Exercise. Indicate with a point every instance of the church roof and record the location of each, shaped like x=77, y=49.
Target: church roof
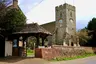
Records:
x=49, y=26
x=33, y=28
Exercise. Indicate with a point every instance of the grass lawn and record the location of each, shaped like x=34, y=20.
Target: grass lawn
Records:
x=30, y=52
x=71, y=58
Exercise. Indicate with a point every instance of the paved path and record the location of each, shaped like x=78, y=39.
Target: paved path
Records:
x=22, y=61
x=88, y=60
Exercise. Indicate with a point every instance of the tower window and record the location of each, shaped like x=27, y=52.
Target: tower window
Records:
x=60, y=15
x=60, y=21
x=71, y=20
x=67, y=29
x=71, y=14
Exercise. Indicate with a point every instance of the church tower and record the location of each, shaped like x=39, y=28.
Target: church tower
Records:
x=65, y=24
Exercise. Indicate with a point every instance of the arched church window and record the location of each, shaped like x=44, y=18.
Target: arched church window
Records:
x=72, y=28
x=70, y=14
x=67, y=29
x=60, y=22
x=71, y=20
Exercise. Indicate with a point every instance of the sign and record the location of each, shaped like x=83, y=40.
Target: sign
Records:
x=20, y=44
x=15, y=43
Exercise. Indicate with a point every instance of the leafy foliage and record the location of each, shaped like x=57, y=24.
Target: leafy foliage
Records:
x=87, y=36
x=92, y=31
x=31, y=42
x=2, y=11
x=92, y=25
x=92, y=28
x=83, y=36
x=13, y=21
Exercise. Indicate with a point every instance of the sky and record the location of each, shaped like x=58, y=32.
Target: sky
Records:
x=43, y=11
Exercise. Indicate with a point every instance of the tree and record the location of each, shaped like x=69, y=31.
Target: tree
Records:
x=13, y=21
x=92, y=31
x=92, y=25
x=2, y=6
x=83, y=37
x=2, y=11
x=92, y=28
x=30, y=42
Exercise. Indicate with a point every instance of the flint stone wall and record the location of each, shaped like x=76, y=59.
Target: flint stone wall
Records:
x=61, y=51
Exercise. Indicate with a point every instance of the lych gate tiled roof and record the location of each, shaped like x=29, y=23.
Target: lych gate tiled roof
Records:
x=33, y=28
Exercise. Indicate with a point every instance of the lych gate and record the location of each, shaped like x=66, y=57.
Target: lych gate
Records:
x=19, y=38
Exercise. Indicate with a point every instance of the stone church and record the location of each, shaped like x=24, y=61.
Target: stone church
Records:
x=63, y=29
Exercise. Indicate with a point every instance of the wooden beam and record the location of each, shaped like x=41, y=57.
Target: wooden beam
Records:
x=43, y=41
x=37, y=43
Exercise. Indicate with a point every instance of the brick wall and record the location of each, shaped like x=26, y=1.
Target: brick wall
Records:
x=60, y=51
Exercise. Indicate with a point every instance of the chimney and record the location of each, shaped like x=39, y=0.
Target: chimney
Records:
x=15, y=3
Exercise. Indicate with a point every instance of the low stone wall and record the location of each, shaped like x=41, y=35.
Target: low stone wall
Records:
x=61, y=51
